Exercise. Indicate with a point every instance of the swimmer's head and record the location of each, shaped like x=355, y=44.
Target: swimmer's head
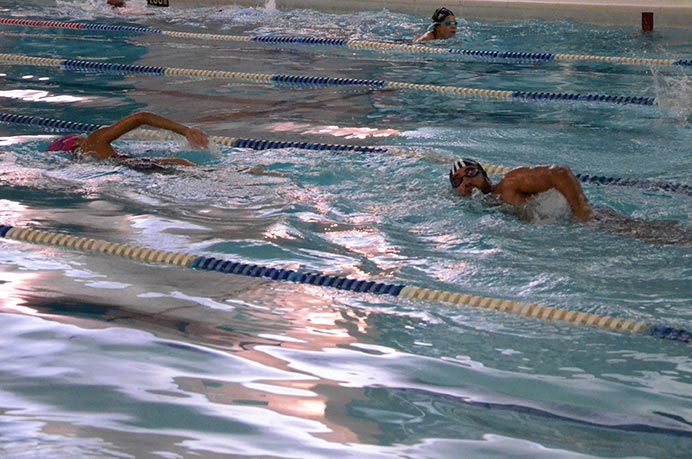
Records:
x=441, y=13
x=67, y=143
x=467, y=174
x=444, y=23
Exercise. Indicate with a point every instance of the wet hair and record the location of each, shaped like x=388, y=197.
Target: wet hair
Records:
x=465, y=162
x=440, y=14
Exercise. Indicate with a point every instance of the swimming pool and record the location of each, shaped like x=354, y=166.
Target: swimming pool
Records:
x=106, y=357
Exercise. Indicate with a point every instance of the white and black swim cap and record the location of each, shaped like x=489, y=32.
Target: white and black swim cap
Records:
x=465, y=162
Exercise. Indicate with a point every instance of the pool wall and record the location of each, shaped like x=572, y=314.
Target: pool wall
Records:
x=667, y=13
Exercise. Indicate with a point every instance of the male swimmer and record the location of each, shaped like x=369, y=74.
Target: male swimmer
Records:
x=523, y=185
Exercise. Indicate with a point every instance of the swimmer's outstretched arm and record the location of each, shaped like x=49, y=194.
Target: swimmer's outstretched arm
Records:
x=523, y=183
x=107, y=134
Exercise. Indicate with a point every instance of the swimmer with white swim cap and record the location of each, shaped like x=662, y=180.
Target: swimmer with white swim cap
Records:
x=521, y=185
x=524, y=185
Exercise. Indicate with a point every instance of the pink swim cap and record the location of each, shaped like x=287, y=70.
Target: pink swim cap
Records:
x=67, y=143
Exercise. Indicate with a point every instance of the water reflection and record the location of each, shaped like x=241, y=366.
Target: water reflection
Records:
x=34, y=95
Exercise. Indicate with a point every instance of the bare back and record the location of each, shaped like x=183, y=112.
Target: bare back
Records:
x=522, y=184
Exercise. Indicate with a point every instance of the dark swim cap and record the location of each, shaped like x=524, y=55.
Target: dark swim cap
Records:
x=441, y=13
x=465, y=162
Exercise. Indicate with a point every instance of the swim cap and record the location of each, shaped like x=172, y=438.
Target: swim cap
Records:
x=465, y=162
x=66, y=143
x=441, y=13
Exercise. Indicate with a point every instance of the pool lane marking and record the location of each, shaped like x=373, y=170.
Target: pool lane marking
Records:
x=311, y=80
x=259, y=144
x=356, y=44
x=234, y=142
x=192, y=261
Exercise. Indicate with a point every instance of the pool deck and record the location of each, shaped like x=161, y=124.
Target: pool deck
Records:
x=667, y=13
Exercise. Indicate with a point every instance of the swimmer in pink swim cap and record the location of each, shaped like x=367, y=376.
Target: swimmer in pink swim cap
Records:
x=97, y=145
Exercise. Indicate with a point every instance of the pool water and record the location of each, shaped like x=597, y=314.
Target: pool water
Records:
x=104, y=357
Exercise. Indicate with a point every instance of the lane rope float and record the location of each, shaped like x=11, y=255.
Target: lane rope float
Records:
x=197, y=262
x=357, y=44
x=234, y=142
x=319, y=81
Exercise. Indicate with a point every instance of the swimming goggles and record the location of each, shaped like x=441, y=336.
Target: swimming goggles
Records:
x=471, y=172
x=449, y=23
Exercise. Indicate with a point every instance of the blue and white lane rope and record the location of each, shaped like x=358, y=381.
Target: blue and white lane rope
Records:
x=311, y=80
x=355, y=44
x=260, y=144
x=203, y=263
x=234, y=142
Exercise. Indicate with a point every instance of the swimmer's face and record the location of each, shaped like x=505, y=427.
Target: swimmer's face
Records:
x=447, y=28
x=466, y=179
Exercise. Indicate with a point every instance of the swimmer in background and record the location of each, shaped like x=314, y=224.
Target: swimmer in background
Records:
x=521, y=186
x=97, y=145
x=444, y=26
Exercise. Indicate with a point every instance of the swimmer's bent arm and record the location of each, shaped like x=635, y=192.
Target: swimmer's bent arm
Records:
x=523, y=183
x=107, y=134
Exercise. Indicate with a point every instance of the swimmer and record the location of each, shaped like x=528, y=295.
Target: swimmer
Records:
x=523, y=185
x=97, y=145
x=444, y=26
x=116, y=3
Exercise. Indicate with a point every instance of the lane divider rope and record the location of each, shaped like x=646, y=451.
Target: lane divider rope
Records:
x=355, y=44
x=233, y=142
x=192, y=261
x=310, y=80
x=259, y=144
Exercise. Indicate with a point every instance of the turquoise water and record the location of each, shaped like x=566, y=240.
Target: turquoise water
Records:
x=109, y=358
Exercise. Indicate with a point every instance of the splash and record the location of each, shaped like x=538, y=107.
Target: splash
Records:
x=674, y=95
x=270, y=6
x=547, y=206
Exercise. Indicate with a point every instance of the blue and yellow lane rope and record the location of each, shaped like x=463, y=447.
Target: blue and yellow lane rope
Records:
x=197, y=262
x=262, y=144
x=313, y=80
x=355, y=44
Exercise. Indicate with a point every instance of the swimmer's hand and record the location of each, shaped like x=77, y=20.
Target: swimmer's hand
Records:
x=261, y=170
x=583, y=213
x=197, y=138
